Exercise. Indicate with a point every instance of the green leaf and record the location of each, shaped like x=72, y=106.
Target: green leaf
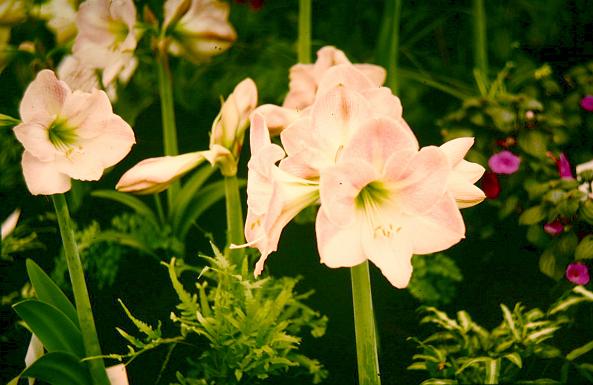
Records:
x=47, y=291
x=438, y=381
x=584, y=249
x=55, y=330
x=532, y=215
x=515, y=358
x=59, y=368
x=142, y=326
x=576, y=353
x=124, y=239
x=8, y=121
x=131, y=201
x=508, y=317
x=472, y=362
x=188, y=192
x=205, y=198
x=533, y=143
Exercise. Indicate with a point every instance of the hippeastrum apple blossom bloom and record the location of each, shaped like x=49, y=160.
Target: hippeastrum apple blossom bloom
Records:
x=106, y=37
x=504, y=162
x=305, y=84
x=154, y=175
x=228, y=129
x=274, y=196
x=346, y=99
x=464, y=174
x=198, y=29
x=68, y=135
x=61, y=18
x=384, y=201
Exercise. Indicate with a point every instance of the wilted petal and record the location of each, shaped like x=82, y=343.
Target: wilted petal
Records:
x=154, y=175
x=43, y=177
x=303, y=87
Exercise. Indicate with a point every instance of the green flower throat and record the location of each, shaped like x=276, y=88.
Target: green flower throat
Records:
x=60, y=135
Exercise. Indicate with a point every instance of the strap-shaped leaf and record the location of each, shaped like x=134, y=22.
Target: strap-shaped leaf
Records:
x=188, y=192
x=131, y=201
x=59, y=368
x=201, y=202
x=55, y=330
x=47, y=291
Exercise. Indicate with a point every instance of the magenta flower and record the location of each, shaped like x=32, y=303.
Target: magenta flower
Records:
x=577, y=273
x=504, y=162
x=564, y=167
x=587, y=103
x=554, y=228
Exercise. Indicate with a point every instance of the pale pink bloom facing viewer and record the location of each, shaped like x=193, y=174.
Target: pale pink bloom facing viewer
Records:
x=68, y=135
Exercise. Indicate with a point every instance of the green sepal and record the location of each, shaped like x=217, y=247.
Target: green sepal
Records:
x=47, y=291
x=55, y=330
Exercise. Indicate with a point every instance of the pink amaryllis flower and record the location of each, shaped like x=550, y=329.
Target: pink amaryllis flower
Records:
x=504, y=162
x=154, y=175
x=305, y=80
x=68, y=135
x=274, y=196
x=198, y=29
x=384, y=201
x=106, y=37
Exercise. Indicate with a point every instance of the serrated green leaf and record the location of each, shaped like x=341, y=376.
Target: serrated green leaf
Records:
x=59, y=368
x=131, y=201
x=576, y=353
x=142, y=326
x=47, y=291
x=55, y=330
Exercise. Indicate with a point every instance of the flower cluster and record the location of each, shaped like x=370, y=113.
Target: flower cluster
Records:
x=348, y=148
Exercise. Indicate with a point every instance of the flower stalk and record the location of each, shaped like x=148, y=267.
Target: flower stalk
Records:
x=480, y=44
x=388, y=46
x=234, y=219
x=168, y=116
x=81, y=296
x=364, y=326
x=304, y=42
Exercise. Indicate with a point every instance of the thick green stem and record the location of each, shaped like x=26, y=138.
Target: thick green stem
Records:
x=480, y=44
x=81, y=295
x=304, y=44
x=168, y=117
x=364, y=326
x=392, y=78
x=234, y=219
